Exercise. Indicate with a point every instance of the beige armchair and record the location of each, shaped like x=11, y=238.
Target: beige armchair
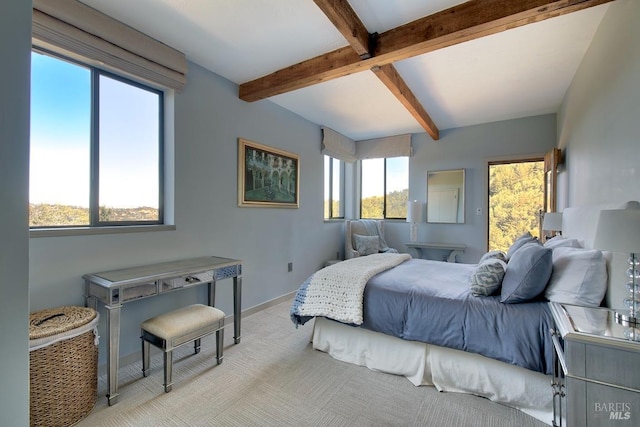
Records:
x=359, y=238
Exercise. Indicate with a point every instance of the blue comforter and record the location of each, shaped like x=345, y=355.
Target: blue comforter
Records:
x=429, y=301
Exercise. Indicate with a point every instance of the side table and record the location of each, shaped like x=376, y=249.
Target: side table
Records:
x=596, y=369
x=452, y=249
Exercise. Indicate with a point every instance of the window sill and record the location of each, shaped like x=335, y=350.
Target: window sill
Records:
x=88, y=231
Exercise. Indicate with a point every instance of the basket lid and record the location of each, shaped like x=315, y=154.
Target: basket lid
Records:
x=53, y=321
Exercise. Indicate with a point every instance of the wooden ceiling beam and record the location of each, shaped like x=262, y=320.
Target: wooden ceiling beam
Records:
x=465, y=22
x=389, y=76
x=346, y=20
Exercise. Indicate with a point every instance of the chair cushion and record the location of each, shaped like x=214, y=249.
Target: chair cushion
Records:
x=366, y=245
x=182, y=321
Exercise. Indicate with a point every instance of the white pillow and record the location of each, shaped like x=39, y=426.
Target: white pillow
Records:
x=579, y=276
x=560, y=241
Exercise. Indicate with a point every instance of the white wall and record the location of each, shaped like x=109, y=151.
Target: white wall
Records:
x=470, y=148
x=599, y=121
x=209, y=119
x=599, y=125
x=15, y=45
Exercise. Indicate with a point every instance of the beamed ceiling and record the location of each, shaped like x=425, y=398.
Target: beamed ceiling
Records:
x=372, y=68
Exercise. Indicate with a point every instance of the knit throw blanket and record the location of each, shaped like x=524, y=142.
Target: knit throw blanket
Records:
x=337, y=291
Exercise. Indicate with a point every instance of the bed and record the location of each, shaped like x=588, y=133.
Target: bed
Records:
x=420, y=318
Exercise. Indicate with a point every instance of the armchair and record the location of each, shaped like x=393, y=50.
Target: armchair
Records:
x=359, y=238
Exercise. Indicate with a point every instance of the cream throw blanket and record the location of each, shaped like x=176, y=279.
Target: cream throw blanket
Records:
x=337, y=291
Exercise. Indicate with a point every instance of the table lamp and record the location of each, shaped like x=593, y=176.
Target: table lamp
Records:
x=414, y=216
x=619, y=231
x=552, y=222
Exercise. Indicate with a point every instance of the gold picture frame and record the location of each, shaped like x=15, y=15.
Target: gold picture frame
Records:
x=267, y=177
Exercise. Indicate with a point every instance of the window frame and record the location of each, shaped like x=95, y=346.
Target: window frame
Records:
x=342, y=166
x=384, y=201
x=94, y=160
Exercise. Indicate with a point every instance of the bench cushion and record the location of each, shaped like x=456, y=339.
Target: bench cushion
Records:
x=183, y=321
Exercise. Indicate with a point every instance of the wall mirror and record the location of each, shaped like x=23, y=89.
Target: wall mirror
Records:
x=445, y=196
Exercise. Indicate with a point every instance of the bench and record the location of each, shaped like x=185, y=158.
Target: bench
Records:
x=171, y=330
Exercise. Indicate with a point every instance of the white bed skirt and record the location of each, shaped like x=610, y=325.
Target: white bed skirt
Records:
x=446, y=369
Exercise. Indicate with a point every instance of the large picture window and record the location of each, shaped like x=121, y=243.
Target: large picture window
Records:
x=96, y=147
x=384, y=188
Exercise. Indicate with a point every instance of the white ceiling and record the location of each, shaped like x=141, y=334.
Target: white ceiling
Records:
x=517, y=73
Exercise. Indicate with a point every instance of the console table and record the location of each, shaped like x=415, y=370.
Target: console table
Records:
x=452, y=248
x=117, y=287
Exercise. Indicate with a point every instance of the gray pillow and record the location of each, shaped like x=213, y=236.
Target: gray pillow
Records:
x=527, y=274
x=520, y=242
x=487, y=277
x=366, y=245
x=493, y=255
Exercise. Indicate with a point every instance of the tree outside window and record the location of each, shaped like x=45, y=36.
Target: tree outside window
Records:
x=384, y=188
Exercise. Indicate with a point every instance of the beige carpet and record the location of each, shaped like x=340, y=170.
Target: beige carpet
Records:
x=274, y=378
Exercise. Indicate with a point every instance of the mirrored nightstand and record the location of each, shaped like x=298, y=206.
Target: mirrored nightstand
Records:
x=596, y=369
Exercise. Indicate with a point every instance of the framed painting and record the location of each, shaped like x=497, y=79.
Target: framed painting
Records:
x=267, y=177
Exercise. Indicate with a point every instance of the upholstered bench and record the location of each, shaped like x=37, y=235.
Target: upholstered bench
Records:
x=171, y=330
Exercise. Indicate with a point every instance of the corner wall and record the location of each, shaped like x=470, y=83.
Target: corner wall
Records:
x=15, y=45
x=471, y=148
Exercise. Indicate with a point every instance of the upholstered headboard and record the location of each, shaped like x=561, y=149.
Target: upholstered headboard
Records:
x=580, y=222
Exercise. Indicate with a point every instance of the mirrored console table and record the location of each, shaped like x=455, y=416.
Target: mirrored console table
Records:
x=117, y=287
x=420, y=249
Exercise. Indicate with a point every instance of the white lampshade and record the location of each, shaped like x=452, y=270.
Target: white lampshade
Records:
x=619, y=231
x=552, y=221
x=414, y=211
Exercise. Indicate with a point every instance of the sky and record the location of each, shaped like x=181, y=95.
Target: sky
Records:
x=373, y=176
x=61, y=130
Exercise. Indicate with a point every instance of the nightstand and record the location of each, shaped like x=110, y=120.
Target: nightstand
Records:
x=596, y=369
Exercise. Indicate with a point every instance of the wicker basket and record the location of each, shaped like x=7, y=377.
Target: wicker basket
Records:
x=63, y=356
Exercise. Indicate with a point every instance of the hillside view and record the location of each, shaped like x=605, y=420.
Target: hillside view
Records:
x=515, y=196
x=49, y=215
x=372, y=207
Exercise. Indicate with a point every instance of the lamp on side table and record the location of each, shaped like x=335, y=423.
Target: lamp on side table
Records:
x=619, y=231
x=414, y=216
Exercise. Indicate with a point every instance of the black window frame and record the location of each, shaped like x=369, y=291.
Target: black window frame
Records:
x=94, y=161
x=384, y=199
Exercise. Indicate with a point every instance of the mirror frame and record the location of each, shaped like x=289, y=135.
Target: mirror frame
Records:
x=461, y=196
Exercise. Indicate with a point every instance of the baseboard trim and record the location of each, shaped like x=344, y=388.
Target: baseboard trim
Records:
x=137, y=356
